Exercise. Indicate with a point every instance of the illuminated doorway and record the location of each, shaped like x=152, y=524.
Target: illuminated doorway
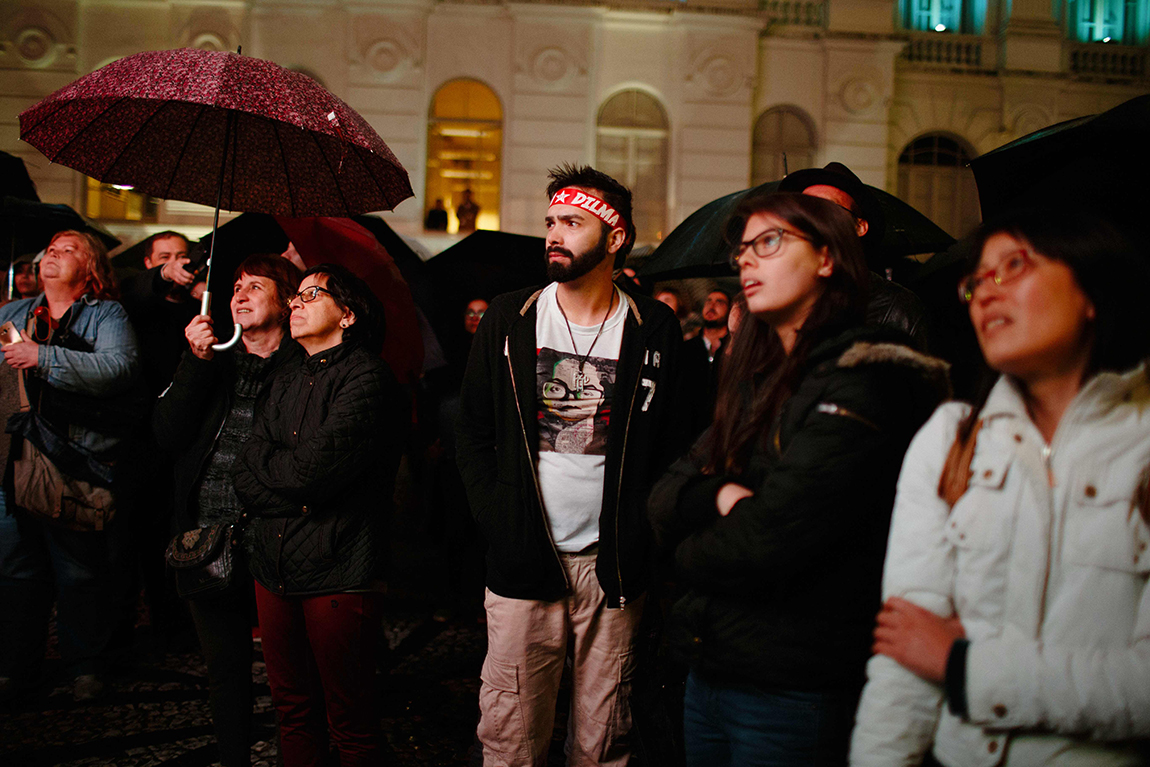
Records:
x=464, y=148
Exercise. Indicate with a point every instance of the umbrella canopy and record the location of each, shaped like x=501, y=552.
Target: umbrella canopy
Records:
x=27, y=226
x=698, y=247
x=14, y=179
x=236, y=239
x=343, y=241
x=409, y=263
x=207, y=126
x=482, y=265
x=217, y=127
x=1100, y=161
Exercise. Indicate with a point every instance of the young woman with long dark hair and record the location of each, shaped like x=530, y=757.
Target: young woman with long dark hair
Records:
x=778, y=517
x=1017, y=623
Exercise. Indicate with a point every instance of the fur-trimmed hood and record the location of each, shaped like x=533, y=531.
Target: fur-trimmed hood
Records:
x=887, y=353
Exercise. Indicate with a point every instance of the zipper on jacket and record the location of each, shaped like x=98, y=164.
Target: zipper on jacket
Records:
x=531, y=461
x=1046, y=451
x=831, y=408
x=619, y=491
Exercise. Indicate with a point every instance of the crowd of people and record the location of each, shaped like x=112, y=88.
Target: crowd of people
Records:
x=772, y=530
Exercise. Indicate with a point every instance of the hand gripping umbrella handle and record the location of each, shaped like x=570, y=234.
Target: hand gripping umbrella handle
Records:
x=205, y=304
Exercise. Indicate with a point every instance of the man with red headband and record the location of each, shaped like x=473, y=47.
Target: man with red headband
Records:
x=568, y=415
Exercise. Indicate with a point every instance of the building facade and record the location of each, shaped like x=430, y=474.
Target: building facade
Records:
x=684, y=100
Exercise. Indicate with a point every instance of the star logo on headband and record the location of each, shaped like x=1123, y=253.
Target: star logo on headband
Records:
x=560, y=199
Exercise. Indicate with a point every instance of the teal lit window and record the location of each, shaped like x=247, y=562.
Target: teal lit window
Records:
x=1109, y=21
x=965, y=16
x=934, y=15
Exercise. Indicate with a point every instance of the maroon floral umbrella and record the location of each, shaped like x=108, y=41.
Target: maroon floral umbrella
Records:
x=219, y=129
x=203, y=126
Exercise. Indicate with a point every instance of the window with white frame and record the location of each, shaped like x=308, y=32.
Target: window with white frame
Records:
x=631, y=147
x=934, y=177
x=784, y=142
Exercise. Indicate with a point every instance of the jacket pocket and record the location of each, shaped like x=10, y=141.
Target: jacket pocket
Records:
x=1103, y=526
x=979, y=532
x=982, y=518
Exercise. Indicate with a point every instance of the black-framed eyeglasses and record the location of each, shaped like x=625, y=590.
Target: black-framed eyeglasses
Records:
x=1011, y=268
x=309, y=294
x=556, y=389
x=764, y=245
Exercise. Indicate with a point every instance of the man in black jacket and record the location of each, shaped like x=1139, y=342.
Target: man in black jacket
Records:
x=568, y=415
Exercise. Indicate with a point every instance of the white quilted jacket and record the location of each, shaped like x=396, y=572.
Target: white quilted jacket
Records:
x=1045, y=560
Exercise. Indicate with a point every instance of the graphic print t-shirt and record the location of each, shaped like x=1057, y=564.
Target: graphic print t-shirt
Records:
x=575, y=403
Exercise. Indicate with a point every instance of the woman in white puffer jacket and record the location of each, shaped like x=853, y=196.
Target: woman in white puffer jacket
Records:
x=1016, y=627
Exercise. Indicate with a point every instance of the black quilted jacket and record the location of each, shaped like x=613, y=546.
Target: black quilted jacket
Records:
x=317, y=475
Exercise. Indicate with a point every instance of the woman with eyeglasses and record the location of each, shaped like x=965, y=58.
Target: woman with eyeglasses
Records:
x=778, y=517
x=1016, y=627
x=316, y=478
x=203, y=419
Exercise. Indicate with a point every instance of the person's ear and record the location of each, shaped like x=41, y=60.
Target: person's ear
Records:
x=615, y=240
x=861, y=226
x=348, y=319
x=826, y=264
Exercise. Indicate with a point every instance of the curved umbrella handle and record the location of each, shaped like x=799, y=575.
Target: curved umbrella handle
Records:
x=205, y=306
x=229, y=344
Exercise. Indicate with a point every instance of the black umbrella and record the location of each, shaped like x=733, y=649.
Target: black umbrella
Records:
x=1100, y=161
x=482, y=265
x=14, y=179
x=698, y=248
x=27, y=226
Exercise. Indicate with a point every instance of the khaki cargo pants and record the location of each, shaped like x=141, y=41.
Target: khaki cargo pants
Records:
x=527, y=645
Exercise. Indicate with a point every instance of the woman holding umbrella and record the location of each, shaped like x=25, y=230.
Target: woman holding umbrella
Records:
x=316, y=478
x=203, y=419
x=1017, y=623
x=778, y=516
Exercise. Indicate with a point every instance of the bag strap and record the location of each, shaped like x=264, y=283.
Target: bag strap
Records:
x=956, y=472
x=25, y=405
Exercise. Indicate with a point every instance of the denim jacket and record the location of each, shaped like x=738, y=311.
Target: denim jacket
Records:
x=109, y=369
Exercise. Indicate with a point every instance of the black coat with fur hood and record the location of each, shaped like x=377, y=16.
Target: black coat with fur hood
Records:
x=783, y=591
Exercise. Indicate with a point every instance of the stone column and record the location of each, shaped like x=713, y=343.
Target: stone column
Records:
x=1032, y=39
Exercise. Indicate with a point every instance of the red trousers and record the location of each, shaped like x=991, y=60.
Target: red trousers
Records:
x=320, y=656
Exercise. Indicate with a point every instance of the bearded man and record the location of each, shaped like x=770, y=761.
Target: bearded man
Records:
x=568, y=415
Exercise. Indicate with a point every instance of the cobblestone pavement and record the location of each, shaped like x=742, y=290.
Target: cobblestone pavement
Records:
x=156, y=711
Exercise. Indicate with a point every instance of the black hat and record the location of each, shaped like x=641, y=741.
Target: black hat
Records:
x=840, y=177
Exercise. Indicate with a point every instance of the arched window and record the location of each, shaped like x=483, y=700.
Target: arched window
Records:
x=779, y=131
x=934, y=177
x=464, y=149
x=632, y=148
